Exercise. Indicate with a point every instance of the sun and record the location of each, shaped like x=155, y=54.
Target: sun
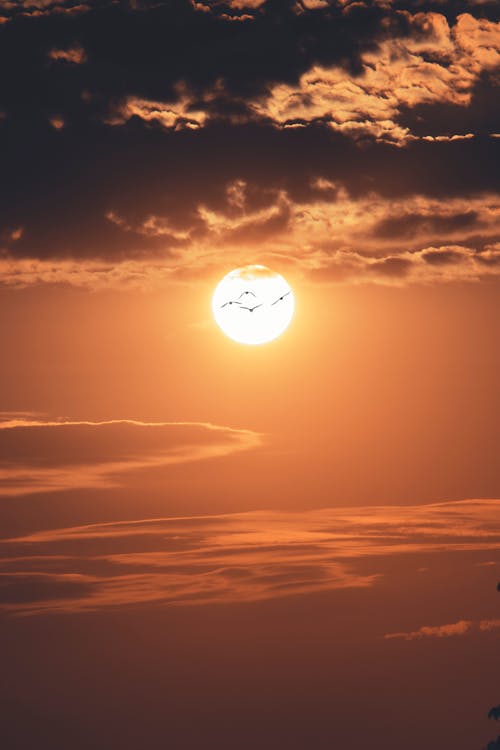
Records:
x=253, y=305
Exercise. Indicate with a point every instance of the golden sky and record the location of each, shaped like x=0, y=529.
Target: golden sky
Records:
x=288, y=546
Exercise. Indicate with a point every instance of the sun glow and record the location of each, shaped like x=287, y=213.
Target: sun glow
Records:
x=253, y=305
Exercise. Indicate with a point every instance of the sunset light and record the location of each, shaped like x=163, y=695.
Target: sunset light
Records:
x=253, y=305
x=249, y=374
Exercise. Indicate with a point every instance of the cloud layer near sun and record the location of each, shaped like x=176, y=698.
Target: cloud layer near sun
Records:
x=43, y=456
x=350, y=141
x=328, y=237
x=236, y=557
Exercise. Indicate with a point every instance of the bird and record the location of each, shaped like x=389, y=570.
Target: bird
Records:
x=247, y=292
x=279, y=299
x=231, y=302
x=250, y=309
x=494, y=713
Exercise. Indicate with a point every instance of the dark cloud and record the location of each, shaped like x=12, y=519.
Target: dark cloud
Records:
x=61, y=187
x=145, y=50
x=123, y=119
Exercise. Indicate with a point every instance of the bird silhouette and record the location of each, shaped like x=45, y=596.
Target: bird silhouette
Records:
x=280, y=298
x=231, y=302
x=251, y=309
x=247, y=292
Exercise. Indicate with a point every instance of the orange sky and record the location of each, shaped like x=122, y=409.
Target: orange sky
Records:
x=400, y=381
x=212, y=546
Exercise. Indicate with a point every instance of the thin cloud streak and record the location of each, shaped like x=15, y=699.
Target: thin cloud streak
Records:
x=462, y=627
x=240, y=557
x=49, y=456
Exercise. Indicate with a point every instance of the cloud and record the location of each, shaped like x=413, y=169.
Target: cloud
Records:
x=328, y=236
x=176, y=115
x=438, y=631
x=49, y=456
x=435, y=64
x=152, y=227
x=152, y=142
x=237, y=557
x=57, y=122
x=462, y=627
x=445, y=264
x=487, y=625
x=40, y=8
x=229, y=10
x=74, y=54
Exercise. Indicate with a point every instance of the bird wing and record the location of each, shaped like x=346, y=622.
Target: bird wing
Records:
x=280, y=298
x=248, y=291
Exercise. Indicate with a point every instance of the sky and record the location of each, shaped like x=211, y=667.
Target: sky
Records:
x=206, y=545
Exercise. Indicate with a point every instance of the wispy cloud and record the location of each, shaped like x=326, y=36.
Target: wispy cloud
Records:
x=47, y=456
x=462, y=627
x=237, y=557
x=435, y=631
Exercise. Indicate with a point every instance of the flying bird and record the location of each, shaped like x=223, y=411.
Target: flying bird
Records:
x=247, y=292
x=250, y=309
x=231, y=302
x=280, y=298
x=494, y=713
